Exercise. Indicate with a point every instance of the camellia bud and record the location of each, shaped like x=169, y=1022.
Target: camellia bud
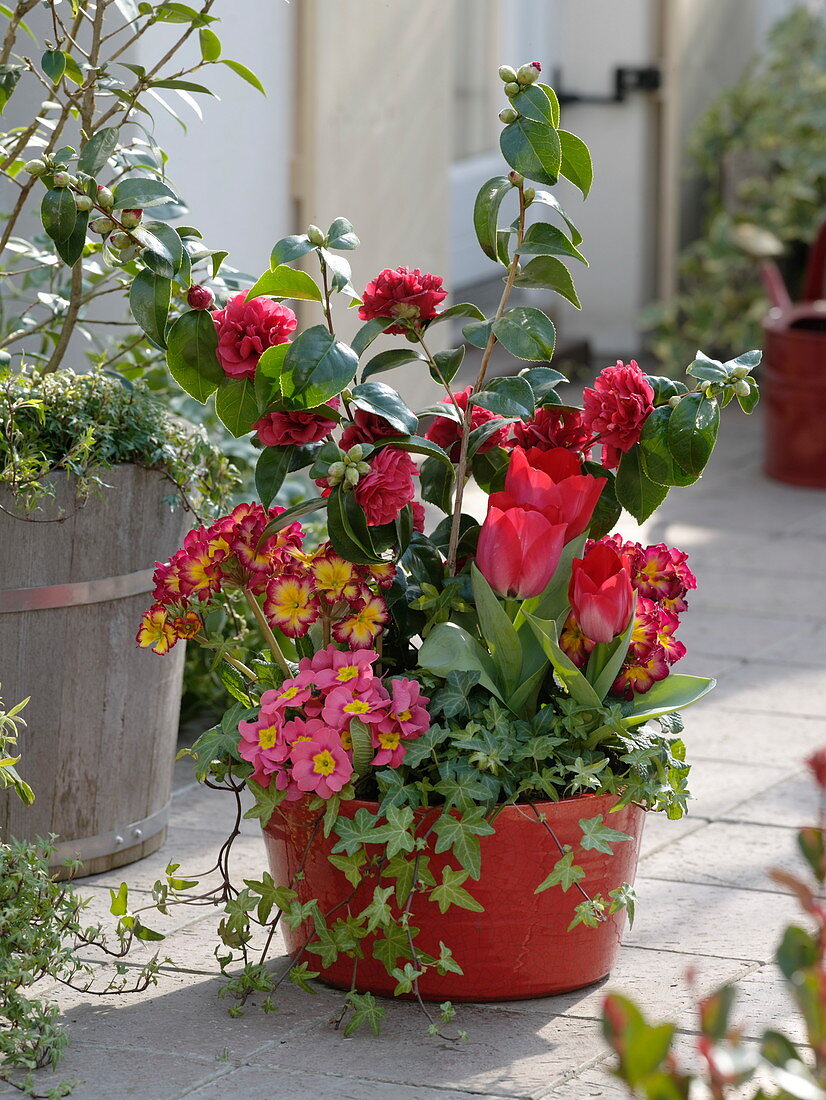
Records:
x=315, y=236
x=83, y=202
x=351, y=475
x=674, y=401
x=35, y=167
x=530, y=195
x=527, y=74
x=515, y=178
x=120, y=240
x=335, y=472
x=356, y=453
x=102, y=225
x=741, y=387
x=129, y=219
x=739, y=371
x=508, y=115
x=200, y=297
x=363, y=467
x=512, y=89
x=62, y=179
x=131, y=252
x=507, y=73
x=704, y=385
x=106, y=200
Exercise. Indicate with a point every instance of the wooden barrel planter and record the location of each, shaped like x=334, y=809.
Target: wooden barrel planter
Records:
x=99, y=744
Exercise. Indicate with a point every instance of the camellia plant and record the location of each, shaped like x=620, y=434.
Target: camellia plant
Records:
x=430, y=685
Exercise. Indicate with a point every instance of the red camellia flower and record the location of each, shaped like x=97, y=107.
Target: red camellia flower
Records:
x=817, y=766
x=600, y=592
x=402, y=293
x=446, y=432
x=554, y=427
x=278, y=429
x=246, y=329
x=388, y=487
x=367, y=427
x=518, y=551
x=550, y=482
x=616, y=408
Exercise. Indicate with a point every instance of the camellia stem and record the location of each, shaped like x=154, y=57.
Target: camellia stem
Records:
x=266, y=630
x=461, y=466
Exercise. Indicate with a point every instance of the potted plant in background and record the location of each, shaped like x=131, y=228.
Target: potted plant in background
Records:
x=457, y=726
x=89, y=224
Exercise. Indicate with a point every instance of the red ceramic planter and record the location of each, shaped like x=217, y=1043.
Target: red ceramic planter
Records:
x=519, y=946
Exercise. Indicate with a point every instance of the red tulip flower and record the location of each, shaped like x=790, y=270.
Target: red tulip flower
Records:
x=518, y=551
x=550, y=482
x=600, y=592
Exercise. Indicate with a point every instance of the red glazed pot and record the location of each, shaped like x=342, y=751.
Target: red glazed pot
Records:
x=520, y=945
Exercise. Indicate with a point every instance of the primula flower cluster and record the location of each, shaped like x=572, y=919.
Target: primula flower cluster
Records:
x=301, y=737
x=226, y=554
x=661, y=578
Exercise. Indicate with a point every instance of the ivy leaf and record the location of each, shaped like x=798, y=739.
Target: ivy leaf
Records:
x=350, y=866
x=461, y=835
x=590, y=913
x=566, y=873
x=451, y=892
x=355, y=832
x=405, y=978
x=301, y=975
x=624, y=897
x=396, y=833
x=378, y=912
x=392, y=946
x=366, y=1011
x=599, y=837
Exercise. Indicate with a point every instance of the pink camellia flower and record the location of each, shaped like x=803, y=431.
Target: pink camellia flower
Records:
x=200, y=297
x=518, y=551
x=321, y=764
x=553, y=427
x=246, y=329
x=418, y=516
x=617, y=407
x=550, y=482
x=447, y=432
x=402, y=293
x=600, y=592
x=388, y=487
x=366, y=427
x=285, y=428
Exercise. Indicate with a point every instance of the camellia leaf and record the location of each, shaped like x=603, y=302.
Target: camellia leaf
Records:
x=478, y=333
x=149, y=299
x=527, y=333
x=272, y=468
x=665, y=388
x=368, y=333
x=533, y=102
x=71, y=249
x=486, y=213
x=533, y=149
x=53, y=64
x=236, y=405
x=657, y=460
x=135, y=192
x=58, y=213
x=543, y=381
x=290, y=248
x=608, y=509
x=576, y=162
x=341, y=235
x=542, y=239
x=437, y=483
x=448, y=363
x=376, y=397
x=692, y=431
x=636, y=492
x=548, y=272
x=210, y=44
x=509, y=396
x=286, y=282
x=548, y=199
x=190, y=355
x=317, y=367
x=97, y=150
x=163, y=249
x=387, y=360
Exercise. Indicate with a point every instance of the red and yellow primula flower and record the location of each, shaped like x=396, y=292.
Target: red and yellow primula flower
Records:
x=156, y=631
x=291, y=604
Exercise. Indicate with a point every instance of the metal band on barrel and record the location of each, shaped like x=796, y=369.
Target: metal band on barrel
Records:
x=118, y=839
x=76, y=594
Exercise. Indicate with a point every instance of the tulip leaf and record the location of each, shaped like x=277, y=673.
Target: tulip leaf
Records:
x=606, y=659
x=692, y=431
x=570, y=676
x=486, y=213
x=383, y=401
x=527, y=333
x=674, y=693
x=497, y=630
x=449, y=647
x=636, y=492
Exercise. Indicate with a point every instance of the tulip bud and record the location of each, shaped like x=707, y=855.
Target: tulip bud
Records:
x=102, y=226
x=507, y=73
x=512, y=89
x=674, y=401
x=62, y=179
x=315, y=236
x=129, y=219
x=527, y=74
x=83, y=202
x=529, y=195
x=739, y=371
x=351, y=475
x=35, y=167
x=508, y=115
x=741, y=387
x=515, y=178
x=106, y=200
x=356, y=453
x=200, y=297
x=120, y=240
